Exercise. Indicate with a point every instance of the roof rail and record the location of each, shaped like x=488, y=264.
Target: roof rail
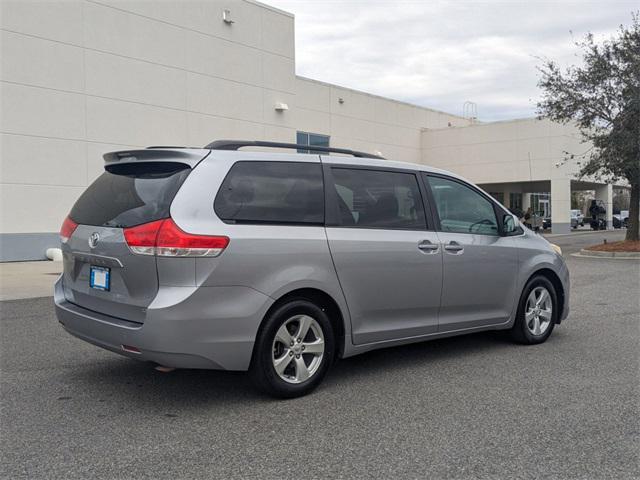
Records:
x=238, y=144
x=170, y=146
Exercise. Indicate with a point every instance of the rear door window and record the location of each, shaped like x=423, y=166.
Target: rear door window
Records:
x=378, y=199
x=130, y=194
x=272, y=192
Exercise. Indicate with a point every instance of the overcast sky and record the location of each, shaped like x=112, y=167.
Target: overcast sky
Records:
x=439, y=54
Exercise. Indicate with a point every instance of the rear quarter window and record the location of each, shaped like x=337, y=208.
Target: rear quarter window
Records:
x=130, y=194
x=272, y=192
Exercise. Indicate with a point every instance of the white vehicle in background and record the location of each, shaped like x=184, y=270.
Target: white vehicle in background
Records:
x=577, y=219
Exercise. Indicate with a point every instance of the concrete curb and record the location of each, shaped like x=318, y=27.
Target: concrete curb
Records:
x=581, y=232
x=596, y=254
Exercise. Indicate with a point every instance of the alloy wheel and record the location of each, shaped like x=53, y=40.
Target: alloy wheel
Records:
x=298, y=349
x=538, y=311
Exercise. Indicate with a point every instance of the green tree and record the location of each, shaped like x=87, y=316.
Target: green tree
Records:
x=602, y=97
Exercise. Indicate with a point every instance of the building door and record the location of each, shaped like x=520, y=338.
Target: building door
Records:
x=545, y=208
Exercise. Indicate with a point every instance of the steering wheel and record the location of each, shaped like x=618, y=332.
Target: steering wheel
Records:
x=484, y=221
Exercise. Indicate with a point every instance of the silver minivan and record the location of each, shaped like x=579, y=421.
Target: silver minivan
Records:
x=281, y=263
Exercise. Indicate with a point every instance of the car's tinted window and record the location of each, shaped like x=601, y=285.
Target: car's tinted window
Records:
x=272, y=192
x=462, y=209
x=378, y=199
x=130, y=194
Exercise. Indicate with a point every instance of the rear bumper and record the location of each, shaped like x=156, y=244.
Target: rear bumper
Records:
x=185, y=327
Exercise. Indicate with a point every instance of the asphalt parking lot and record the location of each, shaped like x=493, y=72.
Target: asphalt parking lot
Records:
x=467, y=407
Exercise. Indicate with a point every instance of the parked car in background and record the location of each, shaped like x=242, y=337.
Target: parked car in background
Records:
x=281, y=263
x=621, y=220
x=616, y=222
x=577, y=218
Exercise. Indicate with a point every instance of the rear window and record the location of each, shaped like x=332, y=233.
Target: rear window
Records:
x=130, y=194
x=272, y=192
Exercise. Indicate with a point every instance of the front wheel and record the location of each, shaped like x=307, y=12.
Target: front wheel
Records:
x=537, y=312
x=294, y=350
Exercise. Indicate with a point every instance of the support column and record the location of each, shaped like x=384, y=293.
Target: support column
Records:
x=526, y=201
x=605, y=193
x=506, y=195
x=560, y=205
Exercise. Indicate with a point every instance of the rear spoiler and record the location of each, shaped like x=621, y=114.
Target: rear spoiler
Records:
x=188, y=156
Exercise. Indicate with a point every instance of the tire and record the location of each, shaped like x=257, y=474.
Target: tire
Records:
x=284, y=369
x=530, y=318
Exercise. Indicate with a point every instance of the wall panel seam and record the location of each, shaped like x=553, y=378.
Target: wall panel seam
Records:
x=188, y=29
x=180, y=110
x=411, y=129
x=150, y=62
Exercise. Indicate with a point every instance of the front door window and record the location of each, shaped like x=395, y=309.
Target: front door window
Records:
x=461, y=209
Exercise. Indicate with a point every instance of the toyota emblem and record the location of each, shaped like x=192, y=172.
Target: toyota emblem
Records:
x=94, y=238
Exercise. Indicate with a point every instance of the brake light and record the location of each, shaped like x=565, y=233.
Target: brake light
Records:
x=142, y=238
x=67, y=229
x=165, y=239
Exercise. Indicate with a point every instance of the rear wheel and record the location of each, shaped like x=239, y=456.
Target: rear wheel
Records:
x=537, y=312
x=294, y=350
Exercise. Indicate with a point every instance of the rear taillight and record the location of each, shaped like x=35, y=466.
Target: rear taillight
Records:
x=142, y=238
x=67, y=229
x=164, y=238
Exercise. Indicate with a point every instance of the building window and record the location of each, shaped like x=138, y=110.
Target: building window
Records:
x=515, y=201
x=499, y=196
x=315, y=139
x=541, y=204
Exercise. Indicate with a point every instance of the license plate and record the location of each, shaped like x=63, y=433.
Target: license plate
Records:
x=100, y=278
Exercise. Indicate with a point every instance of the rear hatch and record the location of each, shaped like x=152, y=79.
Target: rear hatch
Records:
x=101, y=272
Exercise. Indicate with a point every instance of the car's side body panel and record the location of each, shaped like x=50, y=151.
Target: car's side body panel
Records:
x=534, y=255
x=478, y=287
x=392, y=288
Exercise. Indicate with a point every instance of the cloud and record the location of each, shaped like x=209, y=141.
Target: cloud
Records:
x=439, y=54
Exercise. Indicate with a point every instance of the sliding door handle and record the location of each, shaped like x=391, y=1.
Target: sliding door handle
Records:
x=454, y=247
x=427, y=246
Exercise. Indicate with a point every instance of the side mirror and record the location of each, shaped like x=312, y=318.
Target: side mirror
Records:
x=509, y=224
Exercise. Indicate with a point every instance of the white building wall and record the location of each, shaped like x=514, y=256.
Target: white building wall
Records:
x=518, y=154
x=526, y=155
x=510, y=151
x=80, y=78
x=364, y=121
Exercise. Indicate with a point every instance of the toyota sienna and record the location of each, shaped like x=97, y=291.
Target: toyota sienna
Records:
x=281, y=263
